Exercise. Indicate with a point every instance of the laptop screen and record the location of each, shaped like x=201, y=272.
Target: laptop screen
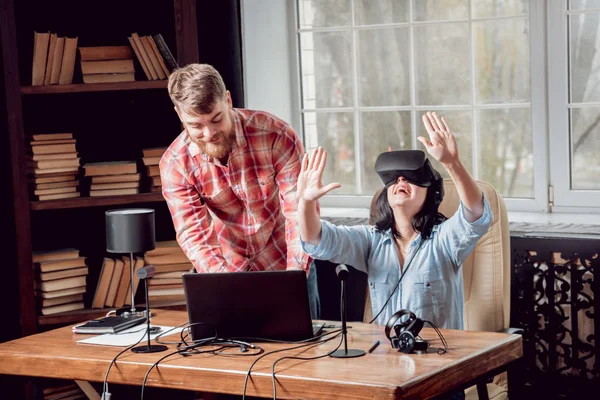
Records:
x=249, y=305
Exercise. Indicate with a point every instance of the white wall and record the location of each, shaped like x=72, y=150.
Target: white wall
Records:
x=270, y=59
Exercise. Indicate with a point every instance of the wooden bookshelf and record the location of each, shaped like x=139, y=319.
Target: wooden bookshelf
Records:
x=78, y=202
x=73, y=317
x=94, y=87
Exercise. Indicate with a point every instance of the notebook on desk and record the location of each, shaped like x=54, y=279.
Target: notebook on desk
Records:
x=269, y=305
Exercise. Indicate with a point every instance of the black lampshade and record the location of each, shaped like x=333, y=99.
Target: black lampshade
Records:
x=130, y=230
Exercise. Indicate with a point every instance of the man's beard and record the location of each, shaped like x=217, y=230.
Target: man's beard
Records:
x=215, y=150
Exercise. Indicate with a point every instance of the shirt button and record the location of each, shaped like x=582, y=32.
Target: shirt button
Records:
x=371, y=284
x=427, y=284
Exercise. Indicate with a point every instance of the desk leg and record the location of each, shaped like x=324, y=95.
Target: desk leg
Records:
x=88, y=390
x=482, y=392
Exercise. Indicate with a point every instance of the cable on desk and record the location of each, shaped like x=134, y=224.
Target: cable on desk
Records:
x=105, y=393
x=302, y=358
x=310, y=344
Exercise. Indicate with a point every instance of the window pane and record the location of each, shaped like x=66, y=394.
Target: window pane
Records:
x=440, y=10
x=585, y=146
x=502, y=61
x=335, y=132
x=506, y=151
x=575, y=4
x=442, y=69
x=326, y=69
x=324, y=13
x=460, y=123
x=383, y=71
x=499, y=8
x=380, y=131
x=368, y=12
x=585, y=60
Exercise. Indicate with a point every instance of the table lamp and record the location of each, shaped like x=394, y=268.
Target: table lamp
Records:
x=130, y=231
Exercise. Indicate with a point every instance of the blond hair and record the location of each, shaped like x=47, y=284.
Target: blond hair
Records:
x=196, y=87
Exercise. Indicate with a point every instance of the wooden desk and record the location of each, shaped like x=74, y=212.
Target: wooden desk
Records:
x=384, y=374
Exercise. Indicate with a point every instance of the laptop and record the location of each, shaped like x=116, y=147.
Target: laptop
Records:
x=270, y=305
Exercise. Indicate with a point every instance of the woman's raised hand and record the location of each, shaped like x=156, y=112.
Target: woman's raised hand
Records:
x=310, y=185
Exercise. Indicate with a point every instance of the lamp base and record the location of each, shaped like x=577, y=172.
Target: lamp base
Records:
x=154, y=348
x=126, y=312
x=351, y=353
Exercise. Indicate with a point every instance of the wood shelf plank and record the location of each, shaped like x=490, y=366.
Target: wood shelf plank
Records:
x=94, y=87
x=78, y=202
x=73, y=317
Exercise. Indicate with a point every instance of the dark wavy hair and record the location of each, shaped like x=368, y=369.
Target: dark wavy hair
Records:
x=423, y=222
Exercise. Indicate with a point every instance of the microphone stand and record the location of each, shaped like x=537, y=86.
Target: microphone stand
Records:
x=342, y=273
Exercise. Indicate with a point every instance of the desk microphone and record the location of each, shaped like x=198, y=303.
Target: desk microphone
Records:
x=342, y=273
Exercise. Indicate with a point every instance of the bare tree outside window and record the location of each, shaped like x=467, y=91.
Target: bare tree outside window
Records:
x=371, y=68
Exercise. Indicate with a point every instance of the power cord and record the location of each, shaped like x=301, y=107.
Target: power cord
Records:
x=303, y=358
x=440, y=350
x=310, y=344
x=105, y=393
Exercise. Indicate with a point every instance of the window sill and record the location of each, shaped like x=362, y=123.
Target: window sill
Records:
x=520, y=223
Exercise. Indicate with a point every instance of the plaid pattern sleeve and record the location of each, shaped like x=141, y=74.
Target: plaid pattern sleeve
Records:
x=192, y=222
x=287, y=159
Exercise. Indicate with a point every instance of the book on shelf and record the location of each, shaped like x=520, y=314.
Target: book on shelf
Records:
x=110, y=168
x=62, y=308
x=65, y=273
x=155, y=58
x=114, y=283
x=107, y=67
x=109, y=77
x=60, y=284
x=55, y=255
x=62, y=300
x=41, y=41
x=104, y=280
x=165, y=52
x=124, y=282
x=99, y=53
x=55, y=155
x=60, y=293
x=127, y=178
x=175, y=258
x=114, y=192
x=67, y=67
x=165, y=247
x=145, y=56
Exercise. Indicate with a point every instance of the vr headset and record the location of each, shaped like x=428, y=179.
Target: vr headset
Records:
x=413, y=166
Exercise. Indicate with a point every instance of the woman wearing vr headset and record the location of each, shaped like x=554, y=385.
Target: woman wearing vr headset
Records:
x=413, y=254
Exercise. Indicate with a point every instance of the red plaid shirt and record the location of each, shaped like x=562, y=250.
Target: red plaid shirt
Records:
x=241, y=216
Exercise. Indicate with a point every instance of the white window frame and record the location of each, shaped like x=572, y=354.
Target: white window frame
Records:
x=549, y=82
x=565, y=198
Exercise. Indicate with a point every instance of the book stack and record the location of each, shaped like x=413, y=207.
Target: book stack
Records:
x=113, y=178
x=114, y=283
x=153, y=55
x=53, y=166
x=60, y=280
x=103, y=64
x=53, y=59
x=171, y=263
x=151, y=159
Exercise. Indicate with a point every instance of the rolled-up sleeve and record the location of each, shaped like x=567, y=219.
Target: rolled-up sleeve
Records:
x=459, y=236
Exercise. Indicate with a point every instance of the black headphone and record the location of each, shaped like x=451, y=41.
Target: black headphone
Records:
x=406, y=332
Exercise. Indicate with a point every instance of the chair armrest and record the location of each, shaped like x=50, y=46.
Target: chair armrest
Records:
x=517, y=331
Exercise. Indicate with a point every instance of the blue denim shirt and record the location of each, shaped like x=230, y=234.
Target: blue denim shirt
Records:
x=432, y=286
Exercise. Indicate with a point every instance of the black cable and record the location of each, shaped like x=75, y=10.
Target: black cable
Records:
x=440, y=351
x=105, y=392
x=302, y=358
x=338, y=331
x=399, y=280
